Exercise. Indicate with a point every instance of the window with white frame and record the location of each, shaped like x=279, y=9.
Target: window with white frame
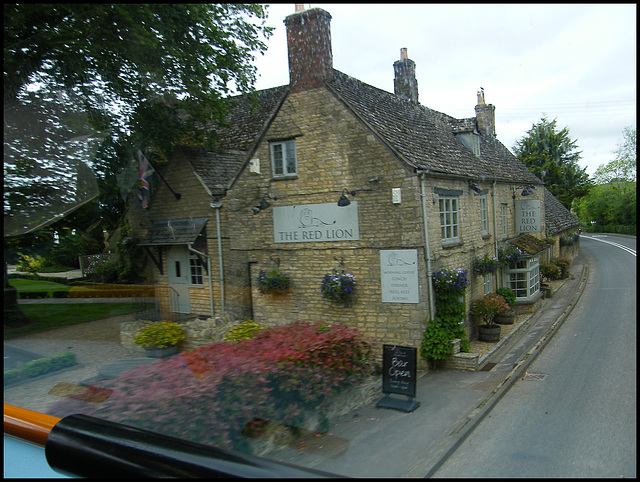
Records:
x=195, y=270
x=487, y=283
x=523, y=277
x=503, y=220
x=284, y=159
x=484, y=215
x=449, y=218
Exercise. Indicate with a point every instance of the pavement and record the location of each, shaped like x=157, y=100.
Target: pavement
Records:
x=381, y=442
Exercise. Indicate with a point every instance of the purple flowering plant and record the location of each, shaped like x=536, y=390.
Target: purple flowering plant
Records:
x=509, y=255
x=273, y=282
x=338, y=287
x=485, y=265
x=450, y=280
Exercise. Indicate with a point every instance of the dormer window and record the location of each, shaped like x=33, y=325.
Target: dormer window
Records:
x=284, y=160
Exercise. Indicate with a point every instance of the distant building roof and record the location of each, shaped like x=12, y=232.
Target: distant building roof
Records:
x=557, y=217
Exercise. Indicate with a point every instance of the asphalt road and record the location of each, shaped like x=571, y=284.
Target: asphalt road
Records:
x=574, y=413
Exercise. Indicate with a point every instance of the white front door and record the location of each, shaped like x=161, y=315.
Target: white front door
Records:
x=178, y=274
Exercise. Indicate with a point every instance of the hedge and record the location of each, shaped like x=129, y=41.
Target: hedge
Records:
x=41, y=366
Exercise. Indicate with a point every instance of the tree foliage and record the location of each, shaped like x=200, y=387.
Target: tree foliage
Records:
x=608, y=207
x=551, y=155
x=623, y=167
x=85, y=85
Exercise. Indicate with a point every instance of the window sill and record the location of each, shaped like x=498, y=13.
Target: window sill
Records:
x=452, y=244
x=284, y=178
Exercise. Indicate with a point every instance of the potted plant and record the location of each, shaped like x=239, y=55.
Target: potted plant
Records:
x=160, y=339
x=487, y=308
x=506, y=317
x=273, y=282
x=338, y=287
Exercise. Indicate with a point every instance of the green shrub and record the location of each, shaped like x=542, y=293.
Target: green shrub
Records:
x=508, y=295
x=563, y=264
x=11, y=375
x=29, y=263
x=243, y=331
x=436, y=343
x=550, y=271
x=160, y=334
x=43, y=366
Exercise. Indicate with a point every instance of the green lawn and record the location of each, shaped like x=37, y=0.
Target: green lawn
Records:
x=46, y=316
x=37, y=285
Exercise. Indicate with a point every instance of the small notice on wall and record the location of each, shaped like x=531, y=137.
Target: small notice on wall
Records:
x=399, y=276
x=528, y=216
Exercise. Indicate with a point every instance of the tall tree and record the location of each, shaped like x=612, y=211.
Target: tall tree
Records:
x=552, y=156
x=124, y=75
x=623, y=167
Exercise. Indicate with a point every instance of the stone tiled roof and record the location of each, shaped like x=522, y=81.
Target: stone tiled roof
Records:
x=174, y=231
x=529, y=244
x=246, y=120
x=214, y=168
x=425, y=139
x=557, y=217
x=422, y=138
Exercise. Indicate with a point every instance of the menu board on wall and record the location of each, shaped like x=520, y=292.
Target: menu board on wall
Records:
x=399, y=276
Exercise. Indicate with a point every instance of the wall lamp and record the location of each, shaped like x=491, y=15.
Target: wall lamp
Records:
x=264, y=204
x=344, y=200
x=474, y=187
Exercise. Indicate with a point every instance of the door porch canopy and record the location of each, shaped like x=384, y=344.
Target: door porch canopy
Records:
x=174, y=232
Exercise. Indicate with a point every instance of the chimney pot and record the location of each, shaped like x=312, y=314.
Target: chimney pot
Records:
x=405, y=85
x=309, y=44
x=485, y=116
x=299, y=7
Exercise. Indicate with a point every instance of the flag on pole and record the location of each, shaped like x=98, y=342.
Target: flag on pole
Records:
x=144, y=176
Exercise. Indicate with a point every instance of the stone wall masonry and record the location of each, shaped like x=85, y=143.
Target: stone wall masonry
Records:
x=199, y=332
x=332, y=156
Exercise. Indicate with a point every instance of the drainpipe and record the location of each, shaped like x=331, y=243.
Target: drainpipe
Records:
x=220, y=257
x=495, y=229
x=426, y=243
x=209, y=273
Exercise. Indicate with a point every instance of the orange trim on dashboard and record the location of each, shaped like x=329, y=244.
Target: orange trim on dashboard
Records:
x=28, y=425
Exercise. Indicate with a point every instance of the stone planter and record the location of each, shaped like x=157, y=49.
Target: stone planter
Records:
x=506, y=318
x=489, y=332
x=161, y=352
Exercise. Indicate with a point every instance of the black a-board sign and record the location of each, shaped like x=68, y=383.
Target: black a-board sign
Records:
x=399, y=377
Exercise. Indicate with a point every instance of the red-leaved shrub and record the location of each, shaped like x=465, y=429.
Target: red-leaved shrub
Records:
x=209, y=394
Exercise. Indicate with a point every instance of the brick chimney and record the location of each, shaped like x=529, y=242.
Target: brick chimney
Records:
x=405, y=84
x=309, y=44
x=485, y=116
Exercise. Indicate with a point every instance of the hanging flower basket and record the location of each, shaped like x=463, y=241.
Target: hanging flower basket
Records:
x=273, y=282
x=338, y=287
x=485, y=265
x=509, y=255
x=450, y=281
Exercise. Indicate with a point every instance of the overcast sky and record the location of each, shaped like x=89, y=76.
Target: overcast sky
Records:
x=573, y=63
